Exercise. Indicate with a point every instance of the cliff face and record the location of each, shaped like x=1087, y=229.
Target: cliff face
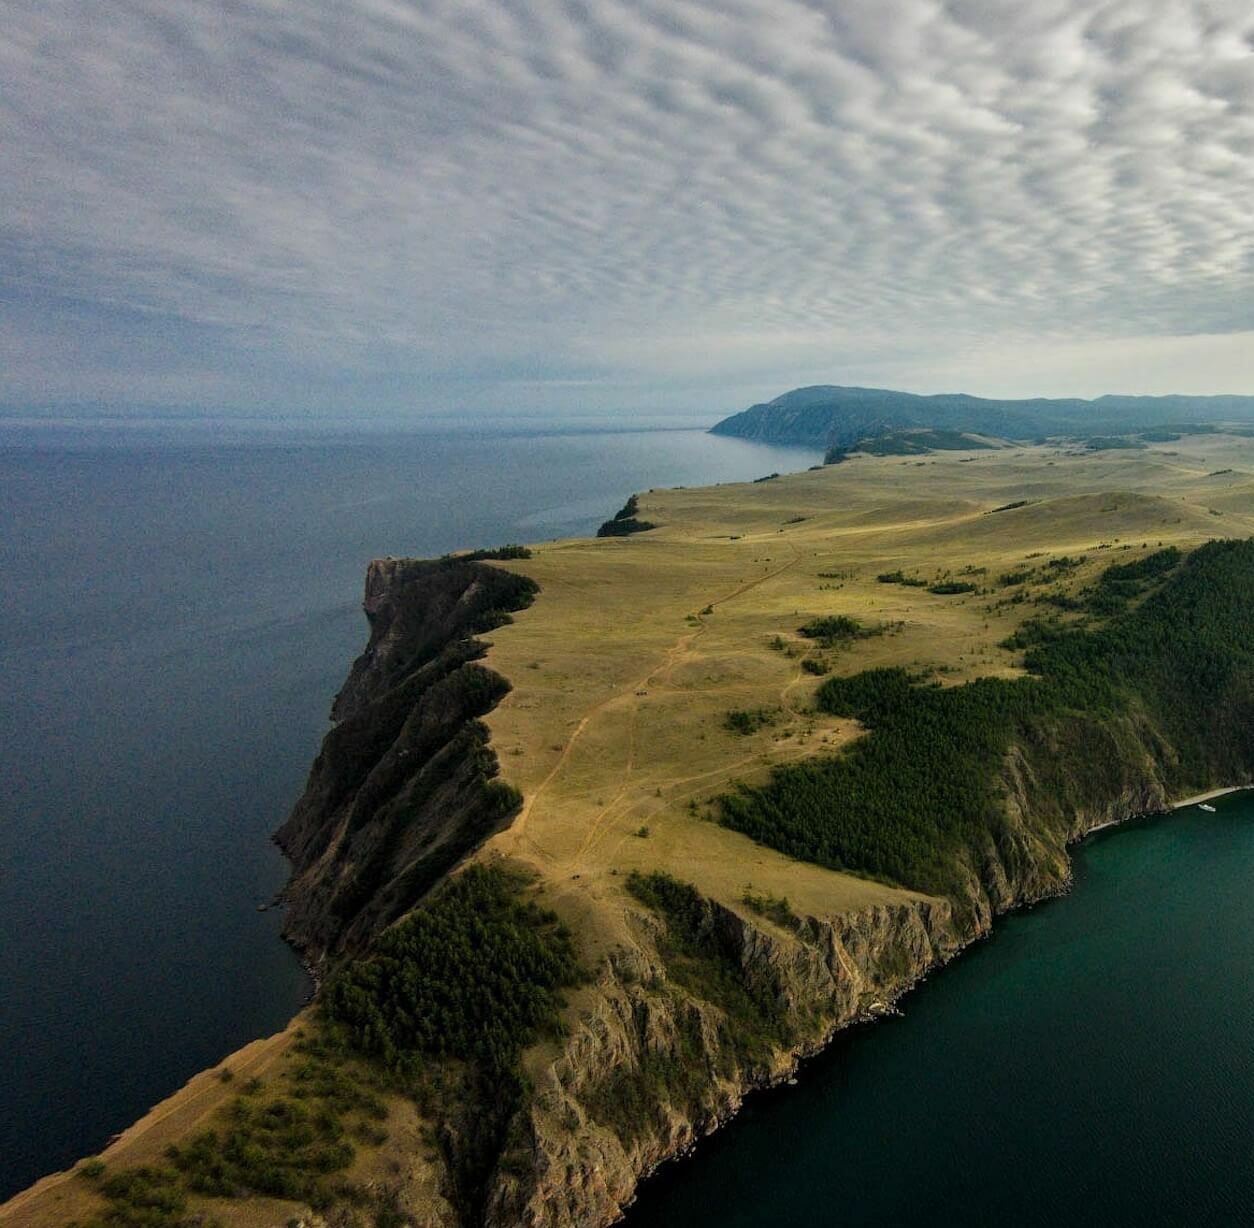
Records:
x=404, y=785
x=612, y=1106
x=652, y=1066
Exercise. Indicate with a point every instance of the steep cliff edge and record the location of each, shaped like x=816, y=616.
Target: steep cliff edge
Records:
x=700, y=1000
x=406, y=784
x=666, y=1053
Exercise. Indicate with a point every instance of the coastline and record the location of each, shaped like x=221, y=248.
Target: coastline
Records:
x=1198, y=798
x=1195, y=799
x=204, y=1091
x=788, y=1074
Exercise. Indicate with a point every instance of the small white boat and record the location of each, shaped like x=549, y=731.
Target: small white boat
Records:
x=1204, y=806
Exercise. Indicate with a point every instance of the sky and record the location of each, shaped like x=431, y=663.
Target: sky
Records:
x=448, y=206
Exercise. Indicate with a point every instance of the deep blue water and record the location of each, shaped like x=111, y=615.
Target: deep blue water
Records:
x=1091, y=1063
x=178, y=604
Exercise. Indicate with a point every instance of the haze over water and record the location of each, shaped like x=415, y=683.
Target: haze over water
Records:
x=178, y=604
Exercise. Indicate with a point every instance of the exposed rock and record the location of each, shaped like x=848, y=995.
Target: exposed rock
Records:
x=831, y=973
x=404, y=786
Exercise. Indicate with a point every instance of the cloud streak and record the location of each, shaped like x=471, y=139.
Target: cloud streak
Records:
x=481, y=193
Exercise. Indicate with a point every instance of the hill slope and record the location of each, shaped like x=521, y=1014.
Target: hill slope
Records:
x=829, y=415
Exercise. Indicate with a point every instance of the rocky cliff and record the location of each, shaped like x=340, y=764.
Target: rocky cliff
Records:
x=405, y=784
x=655, y=1064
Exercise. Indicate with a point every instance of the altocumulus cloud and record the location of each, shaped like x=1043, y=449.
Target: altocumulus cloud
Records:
x=604, y=202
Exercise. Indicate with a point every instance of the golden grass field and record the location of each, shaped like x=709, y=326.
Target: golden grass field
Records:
x=626, y=666
x=637, y=647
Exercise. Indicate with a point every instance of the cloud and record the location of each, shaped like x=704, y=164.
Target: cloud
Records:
x=620, y=194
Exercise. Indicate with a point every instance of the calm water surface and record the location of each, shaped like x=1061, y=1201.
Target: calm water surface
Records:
x=1091, y=1063
x=178, y=604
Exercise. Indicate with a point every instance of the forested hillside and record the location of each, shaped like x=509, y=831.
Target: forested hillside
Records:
x=919, y=799
x=826, y=415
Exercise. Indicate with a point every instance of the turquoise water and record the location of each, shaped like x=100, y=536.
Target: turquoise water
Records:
x=1091, y=1063
x=178, y=604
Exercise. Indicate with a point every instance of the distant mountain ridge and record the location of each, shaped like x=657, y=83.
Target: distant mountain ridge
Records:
x=826, y=415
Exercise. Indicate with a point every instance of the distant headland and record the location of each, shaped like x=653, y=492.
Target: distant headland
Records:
x=826, y=415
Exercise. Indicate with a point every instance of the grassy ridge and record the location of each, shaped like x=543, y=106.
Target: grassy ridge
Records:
x=919, y=794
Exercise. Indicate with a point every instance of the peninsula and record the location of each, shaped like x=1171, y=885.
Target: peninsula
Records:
x=610, y=832
x=828, y=415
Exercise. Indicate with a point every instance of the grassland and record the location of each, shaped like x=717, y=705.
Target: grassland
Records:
x=639, y=647
x=627, y=666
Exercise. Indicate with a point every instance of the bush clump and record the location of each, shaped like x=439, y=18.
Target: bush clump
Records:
x=776, y=907
x=832, y=628
x=624, y=522
x=151, y=1195
x=502, y=553
x=280, y=1148
x=745, y=721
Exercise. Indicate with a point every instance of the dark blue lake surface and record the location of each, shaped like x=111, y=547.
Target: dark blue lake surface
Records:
x=1091, y=1063
x=178, y=604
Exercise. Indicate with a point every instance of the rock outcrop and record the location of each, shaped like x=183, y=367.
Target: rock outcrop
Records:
x=405, y=784
x=652, y=1067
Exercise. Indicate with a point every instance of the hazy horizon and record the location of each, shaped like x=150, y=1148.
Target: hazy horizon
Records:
x=608, y=418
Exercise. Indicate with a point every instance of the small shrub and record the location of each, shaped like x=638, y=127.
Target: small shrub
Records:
x=832, y=627
x=746, y=721
x=776, y=907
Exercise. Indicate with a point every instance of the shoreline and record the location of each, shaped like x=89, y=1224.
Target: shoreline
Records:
x=789, y=1076
x=1195, y=800
x=1198, y=798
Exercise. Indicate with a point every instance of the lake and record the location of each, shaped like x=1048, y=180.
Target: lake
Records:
x=178, y=603
x=1090, y=1063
